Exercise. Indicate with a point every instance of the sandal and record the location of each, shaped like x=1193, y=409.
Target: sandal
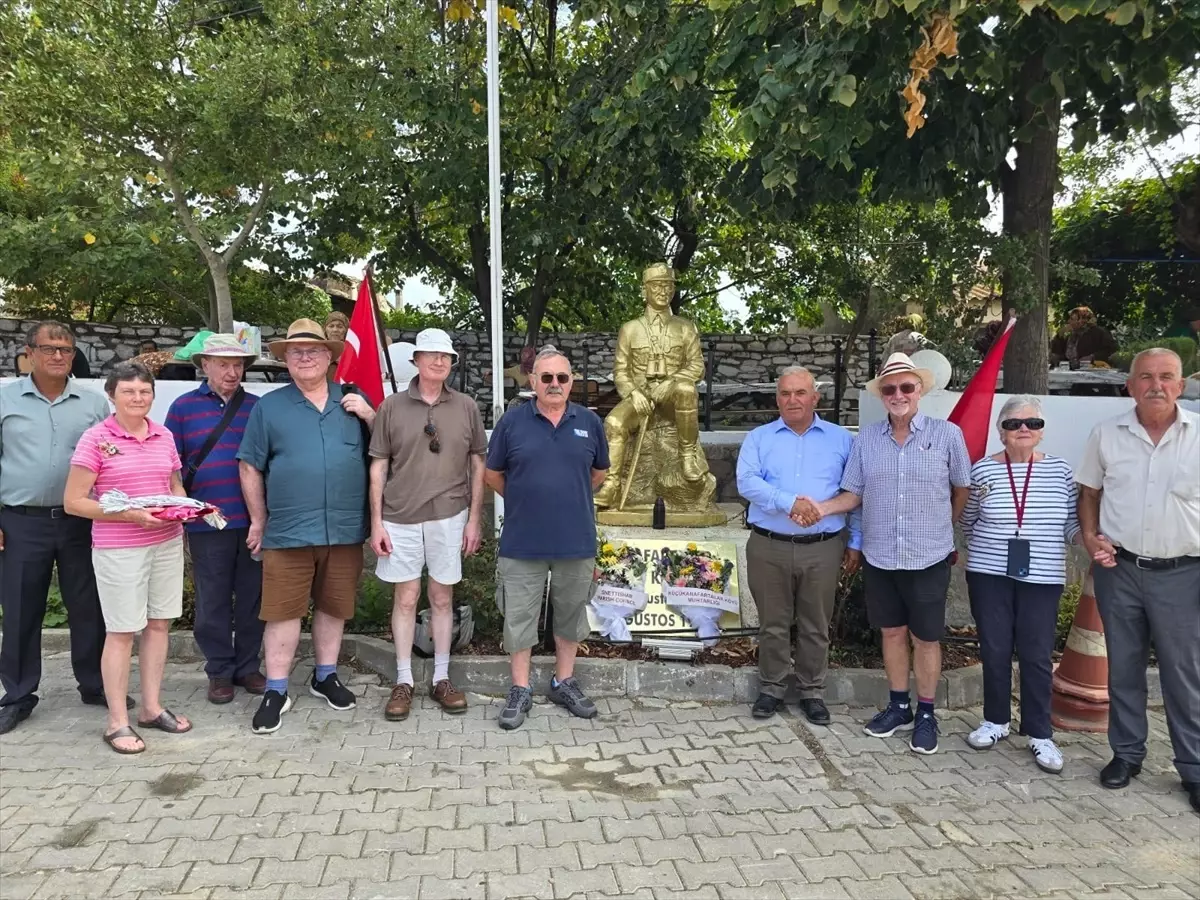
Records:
x=166, y=721
x=124, y=732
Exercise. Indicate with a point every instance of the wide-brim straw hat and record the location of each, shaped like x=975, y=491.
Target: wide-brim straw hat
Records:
x=897, y=363
x=222, y=346
x=304, y=331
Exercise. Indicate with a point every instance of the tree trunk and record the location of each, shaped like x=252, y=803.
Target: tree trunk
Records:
x=539, y=298
x=218, y=272
x=1028, y=198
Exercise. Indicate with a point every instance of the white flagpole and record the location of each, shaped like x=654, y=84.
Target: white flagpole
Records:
x=497, y=310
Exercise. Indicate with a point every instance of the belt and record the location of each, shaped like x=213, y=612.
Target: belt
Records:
x=1154, y=563
x=796, y=538
x=43, y=512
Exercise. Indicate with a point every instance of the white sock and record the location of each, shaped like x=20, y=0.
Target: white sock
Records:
x=441, y=667
x=404, y=670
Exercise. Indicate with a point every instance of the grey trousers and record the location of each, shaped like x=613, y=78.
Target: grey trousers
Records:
x=793, y=583
x=1138, y=607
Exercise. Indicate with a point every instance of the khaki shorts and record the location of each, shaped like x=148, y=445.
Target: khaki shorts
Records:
x=521, y=588
x=329, y=575
x=139, y=583
x=436, y=545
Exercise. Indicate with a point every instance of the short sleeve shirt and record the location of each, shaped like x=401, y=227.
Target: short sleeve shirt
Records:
x=548, y=510
x=138, y=468
x=423, y=486
x=314, y=466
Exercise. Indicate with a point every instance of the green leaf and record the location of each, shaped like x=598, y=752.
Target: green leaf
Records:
x=1124, y=14
x=845, y=93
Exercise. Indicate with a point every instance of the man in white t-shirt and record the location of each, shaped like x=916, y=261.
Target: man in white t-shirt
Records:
x=1139, y=510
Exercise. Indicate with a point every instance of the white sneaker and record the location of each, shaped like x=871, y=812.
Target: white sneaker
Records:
x=1047, y=756
x=987, y=735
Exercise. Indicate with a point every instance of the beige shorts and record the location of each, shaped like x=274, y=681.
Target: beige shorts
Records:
x=139, y=583
x=521, y=589
x=436, y=545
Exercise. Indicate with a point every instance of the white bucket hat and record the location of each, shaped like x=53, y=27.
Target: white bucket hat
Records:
x=222, y=346
x=897, y=363
x=433, y=340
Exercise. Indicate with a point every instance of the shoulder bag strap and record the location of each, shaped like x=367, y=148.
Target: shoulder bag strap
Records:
x=231, y=409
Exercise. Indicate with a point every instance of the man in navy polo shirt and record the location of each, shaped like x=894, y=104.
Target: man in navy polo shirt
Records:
x=546, y=459
x=228, y=633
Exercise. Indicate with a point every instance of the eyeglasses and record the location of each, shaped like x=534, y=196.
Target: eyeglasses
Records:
x=551, y=377
x=50, y=350
x=906, y=387
x=306, y=352
x=435, y=446
x=1015, y=424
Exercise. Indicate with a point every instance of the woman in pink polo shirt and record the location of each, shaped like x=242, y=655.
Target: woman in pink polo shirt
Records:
x=138, y=559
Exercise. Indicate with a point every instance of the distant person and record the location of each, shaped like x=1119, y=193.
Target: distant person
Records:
x=147, y=346
x=1082, y=340
x=337, y=326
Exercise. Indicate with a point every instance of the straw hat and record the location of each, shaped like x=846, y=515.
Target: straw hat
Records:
x=304, y=331
x=222, y=346
x=897, y=363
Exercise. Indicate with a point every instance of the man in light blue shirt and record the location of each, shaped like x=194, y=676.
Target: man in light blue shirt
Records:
x=794, y=569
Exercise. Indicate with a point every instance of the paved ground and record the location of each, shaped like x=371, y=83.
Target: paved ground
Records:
x=649, y=800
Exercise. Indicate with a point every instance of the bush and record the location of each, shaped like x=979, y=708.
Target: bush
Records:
x=1066, y=613
x=1188, y=350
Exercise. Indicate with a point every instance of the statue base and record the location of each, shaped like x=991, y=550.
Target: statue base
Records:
x=644, y=518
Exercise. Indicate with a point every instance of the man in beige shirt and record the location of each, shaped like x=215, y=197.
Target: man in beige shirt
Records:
x=1139, y=509
x=426, y=494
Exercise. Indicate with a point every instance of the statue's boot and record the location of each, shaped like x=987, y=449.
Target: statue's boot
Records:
x=609, y=494
x=691, y=456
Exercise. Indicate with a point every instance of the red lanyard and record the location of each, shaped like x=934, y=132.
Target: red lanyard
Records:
x=1012, y=482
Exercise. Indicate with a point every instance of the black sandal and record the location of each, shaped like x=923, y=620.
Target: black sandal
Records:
x=165, y=721
x=124, y=732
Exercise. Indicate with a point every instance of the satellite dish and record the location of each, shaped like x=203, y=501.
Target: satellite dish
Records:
x=935, y=363
x=399, y=354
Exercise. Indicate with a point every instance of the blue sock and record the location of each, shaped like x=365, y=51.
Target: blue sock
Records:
x=925, y=705
x=324, y=672
x=277, y=684
x=553, y=681
x=899, y=698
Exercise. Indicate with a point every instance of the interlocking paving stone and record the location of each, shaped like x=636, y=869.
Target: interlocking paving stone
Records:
x=651, y=800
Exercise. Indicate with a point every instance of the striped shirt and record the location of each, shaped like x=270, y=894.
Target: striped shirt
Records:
x=1049, y=522
x=905, y=490
x=191, y=419
x=139, y=468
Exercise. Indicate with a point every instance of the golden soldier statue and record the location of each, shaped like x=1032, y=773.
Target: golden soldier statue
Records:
x=653, y=433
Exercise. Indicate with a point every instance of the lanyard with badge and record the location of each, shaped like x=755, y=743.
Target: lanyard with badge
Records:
x=1018, y=547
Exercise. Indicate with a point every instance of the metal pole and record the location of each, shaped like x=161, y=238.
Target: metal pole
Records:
x=837, y=380
x=586, y=367
x=493, y=112
x=872, y=350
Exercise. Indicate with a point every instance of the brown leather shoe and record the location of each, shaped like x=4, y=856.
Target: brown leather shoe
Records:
x=450, y=698
x=399, y=705
x=220, y=690
x=254, y=683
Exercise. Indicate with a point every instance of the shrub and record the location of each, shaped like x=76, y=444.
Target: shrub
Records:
x=1188, y=350
x=1066, y=613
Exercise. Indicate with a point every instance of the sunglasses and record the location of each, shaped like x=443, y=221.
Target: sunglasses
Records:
x=906, y=387
x=1015, y=424
x=435, y=446
x=551, y=377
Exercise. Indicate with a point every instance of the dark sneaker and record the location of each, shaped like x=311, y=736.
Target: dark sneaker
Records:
x=520, y=701
x=765, y=706
x=332, y=691
x=925, y=732
x=889, y=720
x=273, y=706
x=571, y=695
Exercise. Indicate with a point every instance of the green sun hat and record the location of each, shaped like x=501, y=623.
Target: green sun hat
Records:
x=192, y=347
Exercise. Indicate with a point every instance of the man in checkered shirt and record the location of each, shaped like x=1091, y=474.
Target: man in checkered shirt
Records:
x=911, y=473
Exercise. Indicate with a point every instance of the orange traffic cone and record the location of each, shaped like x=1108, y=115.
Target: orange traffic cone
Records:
x=1079, y=698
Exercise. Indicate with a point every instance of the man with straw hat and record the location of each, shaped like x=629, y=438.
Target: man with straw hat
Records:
x=304, y=476
x=208, y=424
x=912, y=475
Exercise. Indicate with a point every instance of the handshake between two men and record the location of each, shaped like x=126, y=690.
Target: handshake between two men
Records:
x=807, y=512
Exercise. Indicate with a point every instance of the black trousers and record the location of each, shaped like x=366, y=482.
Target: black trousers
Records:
x=228, y=633
x=32, y=547
x=1011, y=614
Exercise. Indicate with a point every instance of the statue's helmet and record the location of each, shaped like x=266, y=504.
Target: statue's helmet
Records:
x=658, y=272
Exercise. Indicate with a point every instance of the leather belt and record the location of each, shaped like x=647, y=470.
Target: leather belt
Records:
x=796, y=538
x=1154, y=563
x=42, y=512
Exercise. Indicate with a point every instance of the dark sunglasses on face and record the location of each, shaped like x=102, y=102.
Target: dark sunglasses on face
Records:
x=888, y=389
x=551, y=377
x=435, y=446
x=1015, y=424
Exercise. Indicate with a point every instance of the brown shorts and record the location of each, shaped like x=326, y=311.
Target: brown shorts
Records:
x=329, y=575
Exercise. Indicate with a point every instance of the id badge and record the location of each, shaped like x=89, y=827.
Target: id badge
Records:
x=1018, y=558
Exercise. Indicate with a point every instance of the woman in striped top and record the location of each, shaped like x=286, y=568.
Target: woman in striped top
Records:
x=1019, y=518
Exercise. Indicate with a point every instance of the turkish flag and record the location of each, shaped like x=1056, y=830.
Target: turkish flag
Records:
x=973, y=411
x=361, y=363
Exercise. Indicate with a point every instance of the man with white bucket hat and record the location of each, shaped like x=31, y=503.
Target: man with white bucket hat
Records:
x=427, y=460
x=912, y=474
x=208, y=424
